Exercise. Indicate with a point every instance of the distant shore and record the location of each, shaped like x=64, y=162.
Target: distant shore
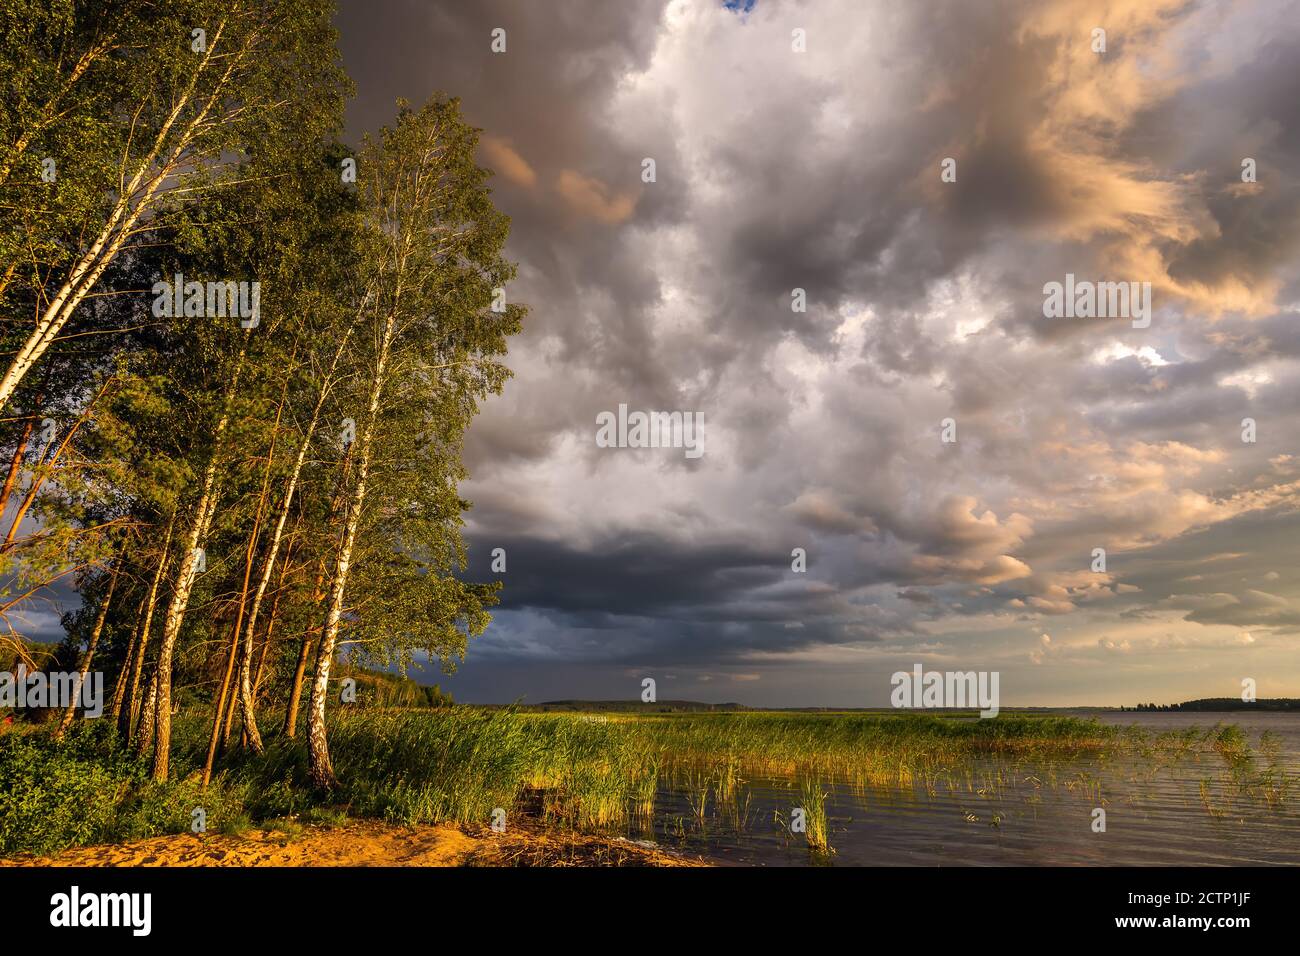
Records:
x=1201, y=705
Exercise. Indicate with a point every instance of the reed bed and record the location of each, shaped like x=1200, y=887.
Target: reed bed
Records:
x=460, y=764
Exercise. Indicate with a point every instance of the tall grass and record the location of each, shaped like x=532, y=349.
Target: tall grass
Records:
x=458, y=764
x=813, y=801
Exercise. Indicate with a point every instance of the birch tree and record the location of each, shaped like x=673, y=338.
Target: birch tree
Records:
x=194, y=84
x=432, y=248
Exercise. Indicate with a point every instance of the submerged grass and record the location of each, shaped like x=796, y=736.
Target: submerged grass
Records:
x=812, y=797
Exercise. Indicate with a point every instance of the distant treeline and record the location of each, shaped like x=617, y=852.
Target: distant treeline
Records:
x=634, y=706
x=1224, y=703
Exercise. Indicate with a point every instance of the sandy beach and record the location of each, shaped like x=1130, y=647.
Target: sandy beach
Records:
x=369, y=844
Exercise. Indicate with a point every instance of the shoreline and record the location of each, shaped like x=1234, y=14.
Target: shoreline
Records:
x=369, y=843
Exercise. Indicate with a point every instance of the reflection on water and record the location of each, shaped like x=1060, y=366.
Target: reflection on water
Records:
x=1190, y=801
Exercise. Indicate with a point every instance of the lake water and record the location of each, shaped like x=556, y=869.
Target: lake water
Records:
x=1195, y=808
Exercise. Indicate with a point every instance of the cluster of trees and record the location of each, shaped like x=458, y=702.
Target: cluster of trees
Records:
x=382, y=689
x=235, y=494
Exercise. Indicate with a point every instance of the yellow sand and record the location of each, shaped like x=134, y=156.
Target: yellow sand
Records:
x=368, y=844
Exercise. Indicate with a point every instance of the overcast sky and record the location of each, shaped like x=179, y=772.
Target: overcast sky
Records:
x=821, y=170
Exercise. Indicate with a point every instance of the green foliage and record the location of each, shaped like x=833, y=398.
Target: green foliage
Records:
x=219, y=158
x=90, y=789
x=52, y=797
x=201, y=138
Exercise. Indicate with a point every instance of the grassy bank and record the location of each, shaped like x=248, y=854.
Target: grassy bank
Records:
x=460, y=764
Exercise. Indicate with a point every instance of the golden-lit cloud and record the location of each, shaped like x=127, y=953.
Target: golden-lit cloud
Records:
x=593, y=199
x=505, y=159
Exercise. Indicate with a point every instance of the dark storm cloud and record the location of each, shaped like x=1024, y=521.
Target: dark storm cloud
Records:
x=634, y=573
